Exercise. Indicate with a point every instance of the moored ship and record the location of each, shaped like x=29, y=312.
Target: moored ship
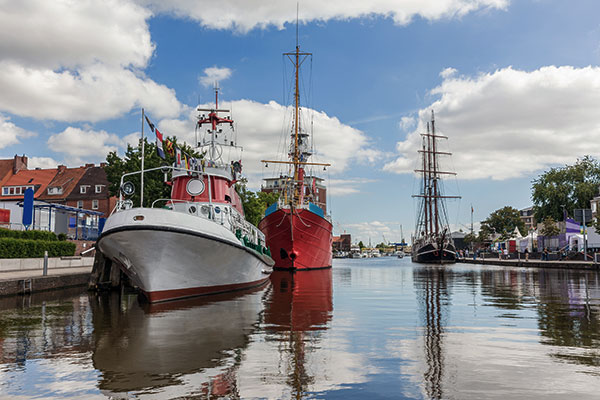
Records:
x=432, y=242
x=196, y=242
x=297, y=230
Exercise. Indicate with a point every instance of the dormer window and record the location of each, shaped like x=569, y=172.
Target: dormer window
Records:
x=99, y=188
x=82, y=189
x=55, y=190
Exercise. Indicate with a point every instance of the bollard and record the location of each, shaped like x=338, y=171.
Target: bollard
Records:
x=45, y=263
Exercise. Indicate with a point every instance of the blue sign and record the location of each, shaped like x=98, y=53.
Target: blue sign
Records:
x=28, y=208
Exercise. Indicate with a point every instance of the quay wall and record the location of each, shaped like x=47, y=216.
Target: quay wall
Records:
x=30, y=264
x=586, y=265
x=11, y=287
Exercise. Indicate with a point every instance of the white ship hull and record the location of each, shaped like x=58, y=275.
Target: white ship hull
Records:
x=171, y=255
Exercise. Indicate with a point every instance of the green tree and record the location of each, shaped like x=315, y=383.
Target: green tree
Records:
x=361, y=245
x=549, y=229
x=504, y=221
x=571, y=186
x=485, y=233
x=255, y=203
x=154, y=186
x=470, y=238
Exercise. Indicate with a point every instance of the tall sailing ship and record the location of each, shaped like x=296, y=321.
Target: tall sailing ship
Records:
x=432, y=242
x=197, y=241
x=297, y=230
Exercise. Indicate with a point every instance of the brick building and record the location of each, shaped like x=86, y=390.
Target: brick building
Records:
x=342, y=242
x=277, y=184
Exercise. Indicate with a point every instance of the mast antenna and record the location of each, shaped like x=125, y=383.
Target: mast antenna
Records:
x=297, y=12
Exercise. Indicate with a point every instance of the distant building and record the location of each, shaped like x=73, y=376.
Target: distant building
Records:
x=459, y=240
x=66, y=199
x=276, y=185
x=342, y=242
x=528, y=219
x=595, y=205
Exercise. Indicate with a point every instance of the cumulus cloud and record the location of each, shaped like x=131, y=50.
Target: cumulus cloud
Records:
x=41, y=162
x=263, y=132
x=78, y=61
x=11, y=133
x=374, y=230
x=213, y=75
x=81, y=146
x=510, y=123
x=249, y=14
x=344, y=187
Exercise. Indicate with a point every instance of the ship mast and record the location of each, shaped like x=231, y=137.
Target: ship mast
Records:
x=431, y=193
x=297, y=162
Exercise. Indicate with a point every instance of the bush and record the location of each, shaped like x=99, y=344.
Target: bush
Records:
x=27, y=248
x=33, y=235
x=62, y=237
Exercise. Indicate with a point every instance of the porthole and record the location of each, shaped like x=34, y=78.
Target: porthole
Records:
x=195, y=187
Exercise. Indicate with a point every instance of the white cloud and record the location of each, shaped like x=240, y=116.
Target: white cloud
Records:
x=511, y=123
x=11, y=133
x=407, y=123
x=41, y=162
x=78, y=61
x=373, y=230
x=344, y=187
x=67, y=34
x=448, y=72
x=262, y=131
x=249, y=14
x=93, y=93
x=213, y=75
x=81, y=146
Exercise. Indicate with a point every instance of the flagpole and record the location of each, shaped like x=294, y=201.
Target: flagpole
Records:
x=143, y=153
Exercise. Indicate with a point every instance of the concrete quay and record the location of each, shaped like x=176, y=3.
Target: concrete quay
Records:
x=564, y=264
x=20, y=276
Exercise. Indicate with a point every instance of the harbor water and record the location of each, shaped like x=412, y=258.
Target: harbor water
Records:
x=377, y=328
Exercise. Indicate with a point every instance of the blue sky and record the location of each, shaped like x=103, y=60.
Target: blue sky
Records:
x=515, y=86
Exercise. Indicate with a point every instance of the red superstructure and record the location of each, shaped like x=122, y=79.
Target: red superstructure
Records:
x=298, y=231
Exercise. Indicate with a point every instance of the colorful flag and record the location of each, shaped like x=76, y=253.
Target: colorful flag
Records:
x=177, y=157
x=149, y=123
x=169, y=147
x=159, y=144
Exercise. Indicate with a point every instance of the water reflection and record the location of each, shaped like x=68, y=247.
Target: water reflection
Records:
x=193, y=345
x=433, y=300
x=299, y=306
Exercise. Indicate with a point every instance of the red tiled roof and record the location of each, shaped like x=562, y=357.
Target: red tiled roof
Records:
x=41, y=177
x=6, y=167
x=66, y=179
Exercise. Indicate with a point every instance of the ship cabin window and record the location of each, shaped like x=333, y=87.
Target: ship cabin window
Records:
x=227, y=198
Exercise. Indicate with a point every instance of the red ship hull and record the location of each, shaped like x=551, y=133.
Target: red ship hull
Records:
x=298, y=241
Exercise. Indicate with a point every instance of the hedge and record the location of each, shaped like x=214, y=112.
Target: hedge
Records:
x=33, y=235
x=26, y=248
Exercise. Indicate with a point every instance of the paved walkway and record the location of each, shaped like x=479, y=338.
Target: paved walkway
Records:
x=12, y=275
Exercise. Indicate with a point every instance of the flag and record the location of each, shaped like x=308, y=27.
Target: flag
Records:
x=177, y=157
x=169, y=147
x=159, y=144
x=149, y=123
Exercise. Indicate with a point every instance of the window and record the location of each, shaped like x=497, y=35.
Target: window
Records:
x=17, y=190
x=99, y=188
x=94, y=204
x=82, y=189
x=5, y=191
x=79, y=203
x=12, y=190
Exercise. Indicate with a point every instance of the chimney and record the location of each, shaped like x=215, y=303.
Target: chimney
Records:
x=61, y=168
x=19, y=163
x=89, y=165
x=102, y=165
